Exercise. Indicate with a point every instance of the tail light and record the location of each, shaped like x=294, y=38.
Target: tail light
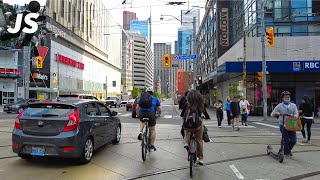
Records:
x=71, y=148
x=80, y=97
x=15, y=145
x=17, y=123
x=73, y=122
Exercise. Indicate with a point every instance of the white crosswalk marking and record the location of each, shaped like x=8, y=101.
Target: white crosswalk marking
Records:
x=167, y=116
x=125, y=115
x=268, y=125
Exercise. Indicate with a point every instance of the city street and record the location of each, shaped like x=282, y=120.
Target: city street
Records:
x=229, y=155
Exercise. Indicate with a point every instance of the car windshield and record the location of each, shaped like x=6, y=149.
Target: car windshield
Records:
x=132, y=100
x=112, y=98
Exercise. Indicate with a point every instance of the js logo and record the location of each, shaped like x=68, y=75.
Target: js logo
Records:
x=26, y=21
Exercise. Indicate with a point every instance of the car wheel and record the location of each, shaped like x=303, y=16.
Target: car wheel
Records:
x=117, y=137
x=20, y=110
x=26, y=157
x=127, y=109
x=87, y=151
x=8, y=112
x=134, y=114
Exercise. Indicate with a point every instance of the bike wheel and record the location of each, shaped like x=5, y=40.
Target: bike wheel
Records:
x=149, y=140
x=191, y=160
x=144, y=147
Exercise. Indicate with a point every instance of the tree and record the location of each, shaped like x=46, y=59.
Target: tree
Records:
x=157, y=95
x=135, y=92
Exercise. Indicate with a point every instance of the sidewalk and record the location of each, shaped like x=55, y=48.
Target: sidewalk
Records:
x=211, y=111
x=1, y=108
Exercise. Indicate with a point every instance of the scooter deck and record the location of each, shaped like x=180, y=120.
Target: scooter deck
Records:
x=279, y=156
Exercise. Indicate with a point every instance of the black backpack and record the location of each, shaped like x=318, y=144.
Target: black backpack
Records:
x=192, y=119
x=145, y=100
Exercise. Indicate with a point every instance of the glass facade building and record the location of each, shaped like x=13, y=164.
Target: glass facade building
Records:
x=140, y=26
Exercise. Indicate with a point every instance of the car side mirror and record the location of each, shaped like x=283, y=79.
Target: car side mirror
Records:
x=113, y=113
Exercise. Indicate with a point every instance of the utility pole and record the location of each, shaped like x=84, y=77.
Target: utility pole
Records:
x=193, y=52
x=26, y=71
x=264, y=65
x=244, y=60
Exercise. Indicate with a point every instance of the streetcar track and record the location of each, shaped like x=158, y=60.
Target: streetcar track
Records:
x=223, y=161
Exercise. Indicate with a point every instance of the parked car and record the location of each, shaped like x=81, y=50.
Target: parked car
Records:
x=72, y=129
x=129, y=104
x=76, y=96
x=18, y=106
x=134, y=106
x=113, y=101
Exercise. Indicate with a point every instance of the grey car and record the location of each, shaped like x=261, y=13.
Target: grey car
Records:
x=64, y=129
x=19, y=106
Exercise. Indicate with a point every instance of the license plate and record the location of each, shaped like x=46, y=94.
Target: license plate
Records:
x=37, y=151
x=5, y=109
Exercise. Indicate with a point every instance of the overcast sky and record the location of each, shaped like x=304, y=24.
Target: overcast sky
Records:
x=162, y=31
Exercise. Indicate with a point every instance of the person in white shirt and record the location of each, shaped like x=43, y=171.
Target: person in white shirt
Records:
x=244, y=104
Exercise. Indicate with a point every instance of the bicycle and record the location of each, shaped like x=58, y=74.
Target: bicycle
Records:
x=192, y=152
x=146, y=140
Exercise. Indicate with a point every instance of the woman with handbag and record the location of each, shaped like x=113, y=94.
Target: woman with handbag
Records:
x=286, y=108
x=244, y=104
x=306, y=111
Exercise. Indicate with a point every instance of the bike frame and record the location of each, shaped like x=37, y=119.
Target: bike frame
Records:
x=145, y=144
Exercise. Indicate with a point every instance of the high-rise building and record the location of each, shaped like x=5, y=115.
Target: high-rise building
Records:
x=141, y=26
x=187, y=18
x=127, y=63
x=184, y=46
x=160, y=49
x=290, y=63
x=127, y=17
x=142, y=61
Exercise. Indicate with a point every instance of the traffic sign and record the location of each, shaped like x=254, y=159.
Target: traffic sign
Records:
x=175, y=60
x=187, y=57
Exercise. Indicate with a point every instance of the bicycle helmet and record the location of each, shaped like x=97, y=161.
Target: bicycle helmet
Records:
x=149, y=89
x=285, y=93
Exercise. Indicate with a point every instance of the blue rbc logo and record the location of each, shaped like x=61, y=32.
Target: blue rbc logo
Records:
x=296, y=66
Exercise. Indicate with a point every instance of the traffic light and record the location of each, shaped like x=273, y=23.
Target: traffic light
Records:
x=270, y=37
x=39, y=62
x=260, y=74
x=166, y=61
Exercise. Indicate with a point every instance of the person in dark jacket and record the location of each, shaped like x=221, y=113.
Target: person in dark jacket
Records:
x=306, y=111
x=206, y=104
x=235, y=112
x=183, y=104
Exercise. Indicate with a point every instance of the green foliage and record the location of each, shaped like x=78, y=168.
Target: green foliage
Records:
x=135, y=92
x=157, y=95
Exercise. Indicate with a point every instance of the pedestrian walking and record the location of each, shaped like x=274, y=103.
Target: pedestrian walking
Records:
x=244, y=110
x=307, y=114
x=228, y=110
x=235, y=112
x=219, y=112
x=206, y=104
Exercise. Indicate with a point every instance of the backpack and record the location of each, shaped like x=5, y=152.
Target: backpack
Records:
x=191, y=120
x=145, y=100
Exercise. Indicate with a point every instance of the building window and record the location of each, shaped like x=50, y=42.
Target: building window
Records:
x=62, y=9
x=69, y=11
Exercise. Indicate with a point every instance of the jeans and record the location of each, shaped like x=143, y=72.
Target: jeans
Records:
x=290, y=139
x=219, y=116
x=206, y=113
x=309, y=124
x=244, y=118
x=229, y=117
x=198, y=132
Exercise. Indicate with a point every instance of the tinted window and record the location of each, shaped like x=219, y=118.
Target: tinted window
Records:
x=48, y=110
x=91, y=109
x=69, y=95
x=103, y=110
x=112, y=98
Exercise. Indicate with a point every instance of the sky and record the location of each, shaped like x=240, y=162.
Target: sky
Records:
x=162, y=31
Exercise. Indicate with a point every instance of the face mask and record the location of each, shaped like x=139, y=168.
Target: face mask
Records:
x=286, y=101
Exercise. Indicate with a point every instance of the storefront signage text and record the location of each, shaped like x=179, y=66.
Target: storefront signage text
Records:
x=308, y=65
x=224, y=27
x=40, y=76
x=70, y=62
x=10, y=71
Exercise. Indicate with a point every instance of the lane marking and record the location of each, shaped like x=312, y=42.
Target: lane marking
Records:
x=226, y=126
x=125, y=115
x=235, y=170
x=167, y=116
x=268, y=125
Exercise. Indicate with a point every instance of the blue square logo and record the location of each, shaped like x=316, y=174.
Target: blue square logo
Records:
x=296, y=66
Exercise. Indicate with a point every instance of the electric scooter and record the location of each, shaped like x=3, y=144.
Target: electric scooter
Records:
x=280, y=154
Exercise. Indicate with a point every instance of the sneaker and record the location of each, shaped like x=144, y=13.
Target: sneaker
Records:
x=219, y=126
x=186, y=146
x=152, y=147
x=290, y=153
x=200, y=162
x=304, y=141
x=140, y=136
x=238, y=129
x=245, y=124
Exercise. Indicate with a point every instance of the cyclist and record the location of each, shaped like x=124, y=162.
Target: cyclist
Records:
x=148, y=107
x=286, y=108
x=193, y=114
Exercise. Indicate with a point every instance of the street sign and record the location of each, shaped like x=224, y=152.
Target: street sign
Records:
x=187, y=57
x=175, y=60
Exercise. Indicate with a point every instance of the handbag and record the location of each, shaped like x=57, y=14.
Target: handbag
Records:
x=293, y=124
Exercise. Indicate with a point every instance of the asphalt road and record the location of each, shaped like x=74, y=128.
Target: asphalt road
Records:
x=230, y=155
